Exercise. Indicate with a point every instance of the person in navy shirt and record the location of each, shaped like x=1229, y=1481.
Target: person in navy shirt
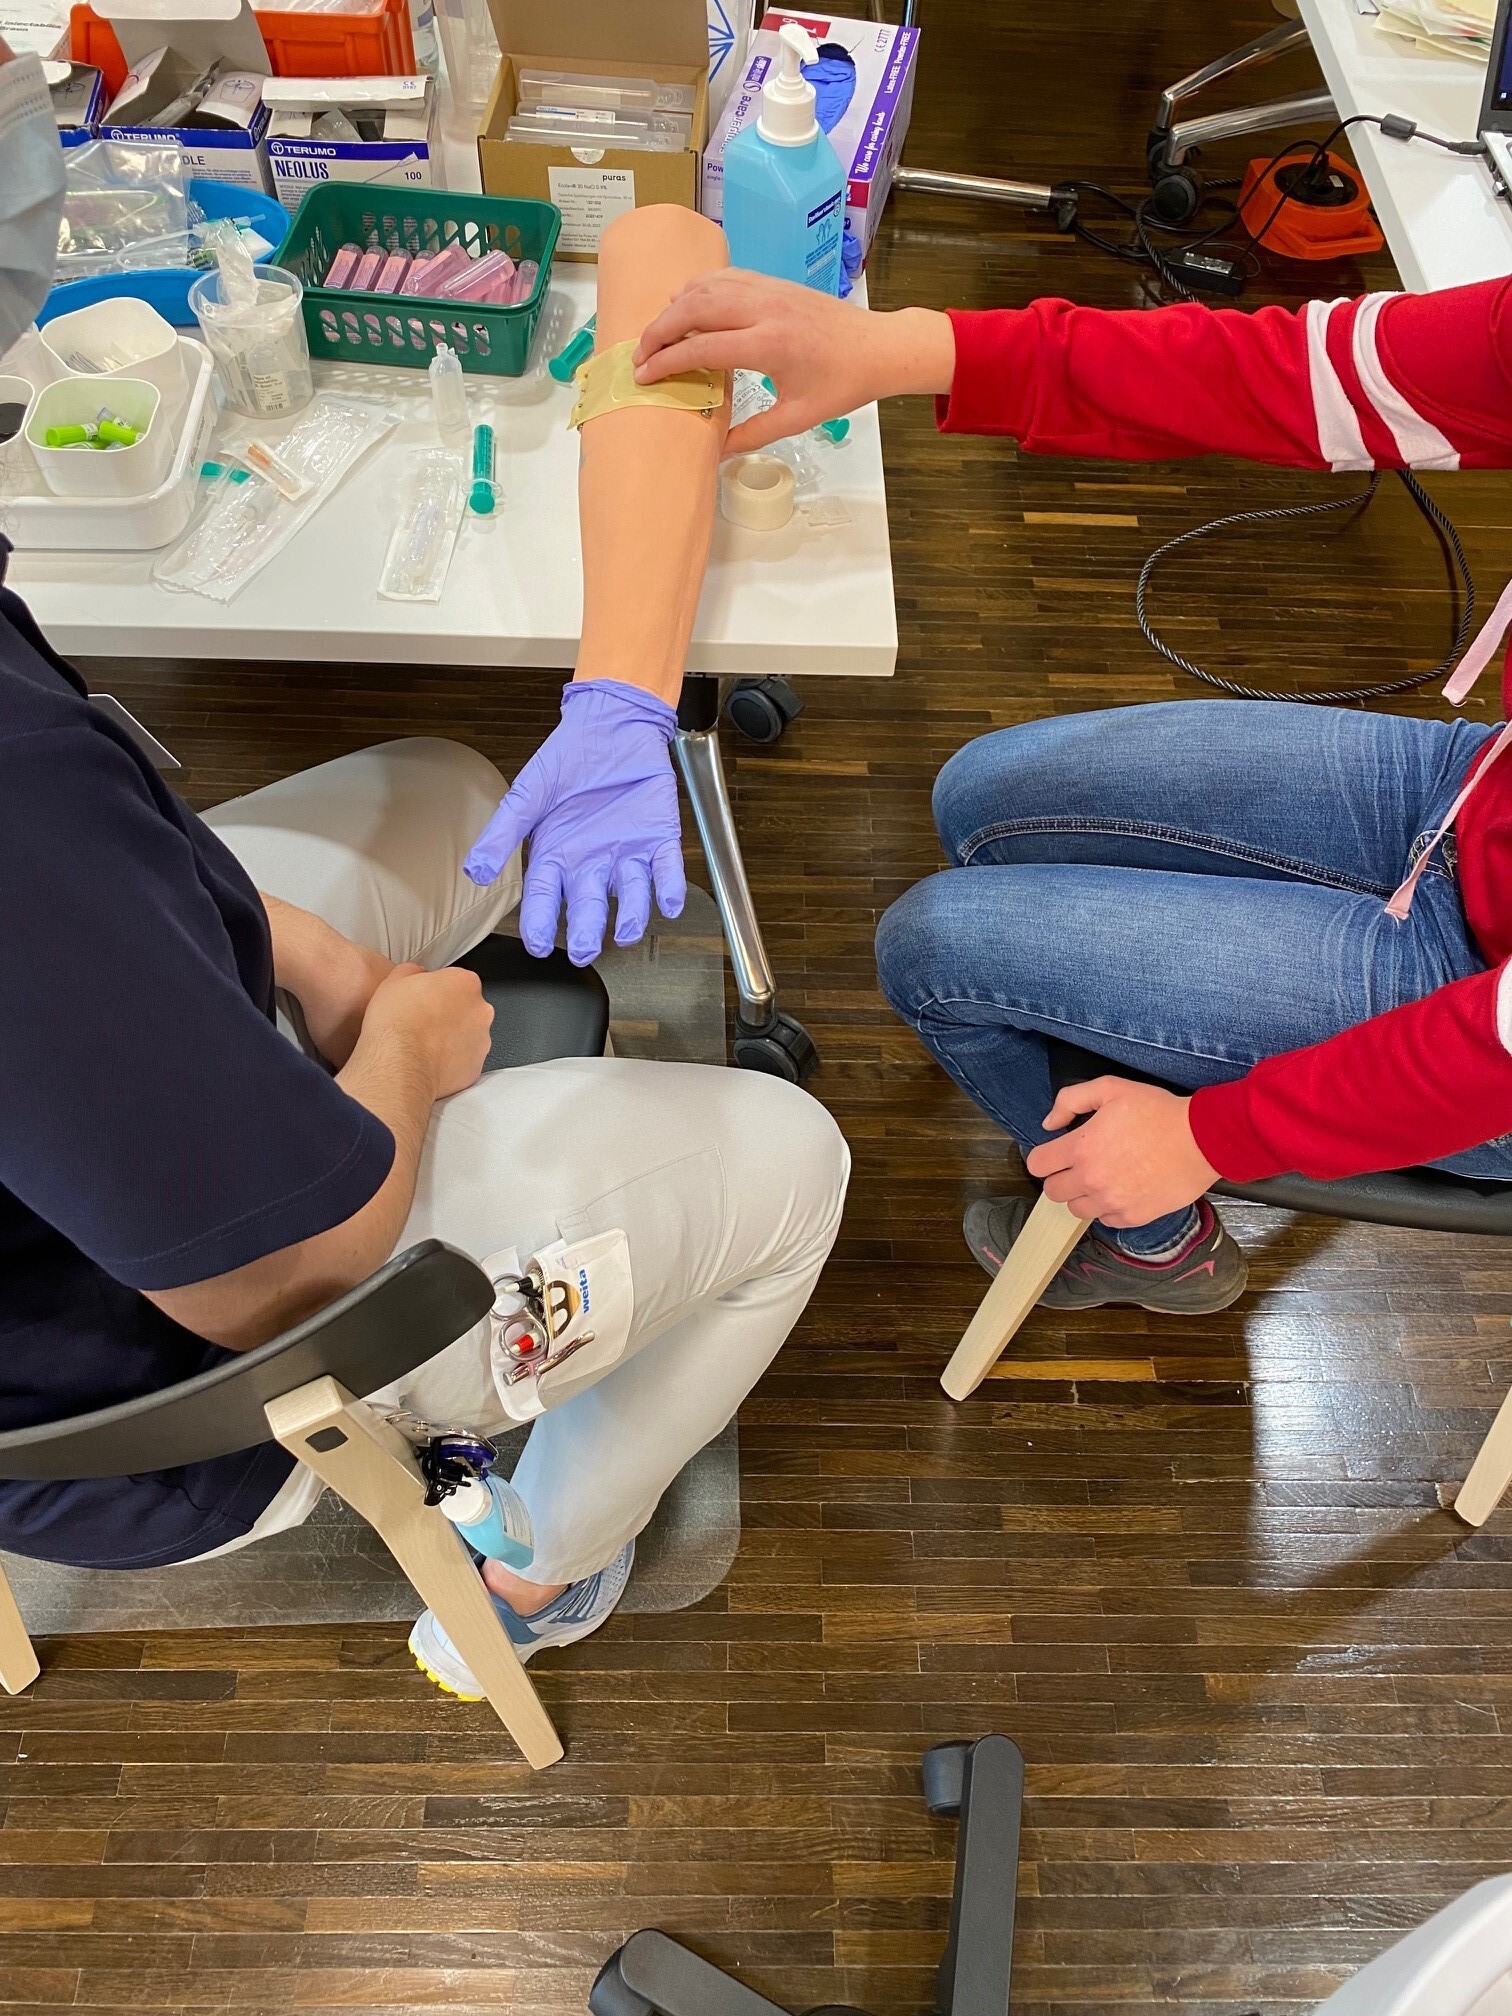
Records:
x=240, y=1071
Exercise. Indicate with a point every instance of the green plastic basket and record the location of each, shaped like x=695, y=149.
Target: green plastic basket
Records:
x=405, y=329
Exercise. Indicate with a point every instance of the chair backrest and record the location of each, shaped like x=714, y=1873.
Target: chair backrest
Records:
x=1455, y=1964
x=413, y=1307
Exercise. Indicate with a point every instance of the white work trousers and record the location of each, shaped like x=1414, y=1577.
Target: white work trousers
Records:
x=728, y=1184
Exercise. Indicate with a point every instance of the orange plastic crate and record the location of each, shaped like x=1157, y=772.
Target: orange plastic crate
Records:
x=376, y=43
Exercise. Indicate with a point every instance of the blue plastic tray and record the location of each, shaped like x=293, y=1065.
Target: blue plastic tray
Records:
x=166, y=288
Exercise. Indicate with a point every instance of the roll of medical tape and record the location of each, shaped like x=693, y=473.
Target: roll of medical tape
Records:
x=757, y=491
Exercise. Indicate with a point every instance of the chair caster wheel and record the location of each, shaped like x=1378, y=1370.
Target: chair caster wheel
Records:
x=784, y=1049
x=762, y=708
x=944, y=1774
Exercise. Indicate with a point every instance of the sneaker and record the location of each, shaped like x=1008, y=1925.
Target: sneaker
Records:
x=581, y=1608
x=1208, y=1276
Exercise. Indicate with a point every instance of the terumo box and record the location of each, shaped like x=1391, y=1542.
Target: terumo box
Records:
x=167, y=45
x=667, y=40
x=398, y=112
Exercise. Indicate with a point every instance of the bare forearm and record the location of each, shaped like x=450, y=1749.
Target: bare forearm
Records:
x=648, y=476
x=302, y=943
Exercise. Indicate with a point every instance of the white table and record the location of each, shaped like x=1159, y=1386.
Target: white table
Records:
x=790, y=602
x=1442, y=219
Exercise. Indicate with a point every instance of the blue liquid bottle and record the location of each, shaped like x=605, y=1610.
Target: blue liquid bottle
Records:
x=491, y=1517
x=784, y=188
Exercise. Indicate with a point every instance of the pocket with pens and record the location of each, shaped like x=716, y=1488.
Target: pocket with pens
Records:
x=560, y=1322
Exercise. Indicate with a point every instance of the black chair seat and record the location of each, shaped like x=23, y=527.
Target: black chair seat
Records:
x=1427, y=1200
x=543, y=1008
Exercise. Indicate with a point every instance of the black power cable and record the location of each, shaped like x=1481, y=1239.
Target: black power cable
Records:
x=1449, y=540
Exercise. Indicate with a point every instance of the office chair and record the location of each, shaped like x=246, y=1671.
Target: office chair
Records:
x=1172, y=147
x=299, y=1388
x=979, y=1784
x=1424, y=1200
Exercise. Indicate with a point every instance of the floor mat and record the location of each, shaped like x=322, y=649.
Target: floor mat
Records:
x=666, y=1000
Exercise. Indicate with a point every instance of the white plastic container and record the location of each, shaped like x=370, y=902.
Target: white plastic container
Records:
x=101, y=472
x=121, y=338
x=40, y=522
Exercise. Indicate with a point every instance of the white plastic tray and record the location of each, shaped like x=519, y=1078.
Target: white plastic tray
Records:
x=38, y=521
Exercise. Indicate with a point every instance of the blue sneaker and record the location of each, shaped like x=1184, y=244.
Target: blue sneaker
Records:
x=580, y=1609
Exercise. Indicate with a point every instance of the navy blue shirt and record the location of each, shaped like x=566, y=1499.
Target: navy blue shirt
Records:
x=155, y=1127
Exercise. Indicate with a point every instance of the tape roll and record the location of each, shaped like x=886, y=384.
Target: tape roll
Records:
x=757, y=491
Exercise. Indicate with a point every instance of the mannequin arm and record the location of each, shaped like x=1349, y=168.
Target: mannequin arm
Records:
x=597, y=802
x=648, y=477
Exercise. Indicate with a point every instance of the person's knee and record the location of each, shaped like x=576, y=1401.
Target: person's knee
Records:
x=922, y=938
x=440, y=765
x=789, y=1147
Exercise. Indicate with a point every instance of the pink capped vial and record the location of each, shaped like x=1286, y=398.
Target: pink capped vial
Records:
x=480, y=278
x=415, y=281
x=339, y=272
x=368, y=268
x=392, y=273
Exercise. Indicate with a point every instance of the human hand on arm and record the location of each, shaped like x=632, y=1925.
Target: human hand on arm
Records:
x=1134, y=1159
x=825, y=357
x=423, y=1036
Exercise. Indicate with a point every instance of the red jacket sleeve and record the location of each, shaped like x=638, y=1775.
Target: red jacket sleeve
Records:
x=1421, y=1082
x=1386, y=381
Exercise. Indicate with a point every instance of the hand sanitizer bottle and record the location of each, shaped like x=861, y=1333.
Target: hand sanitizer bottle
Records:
x=784, y=188
x=491, y=1517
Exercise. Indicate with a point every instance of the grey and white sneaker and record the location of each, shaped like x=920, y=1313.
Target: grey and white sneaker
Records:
x=579, y=1610
x=1207, y=1275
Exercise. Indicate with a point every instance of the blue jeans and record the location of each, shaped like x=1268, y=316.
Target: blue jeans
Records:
x=1185, y=888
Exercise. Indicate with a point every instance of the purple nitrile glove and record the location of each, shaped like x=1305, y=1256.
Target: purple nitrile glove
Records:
x=598, y=804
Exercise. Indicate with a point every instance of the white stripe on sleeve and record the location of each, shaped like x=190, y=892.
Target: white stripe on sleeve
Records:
x=1340, y=442
x=1504, y=1006
x=1419, y=442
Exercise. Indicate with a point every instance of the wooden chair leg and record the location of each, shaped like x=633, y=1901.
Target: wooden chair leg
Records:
x=1490, y=1473
x=1049, y=1233
x=18, y=1662
x=372, y=1467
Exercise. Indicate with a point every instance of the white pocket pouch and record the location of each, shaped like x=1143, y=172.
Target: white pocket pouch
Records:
x=560, y=1322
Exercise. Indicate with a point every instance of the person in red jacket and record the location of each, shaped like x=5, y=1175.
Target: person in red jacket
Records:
x=1299, y=916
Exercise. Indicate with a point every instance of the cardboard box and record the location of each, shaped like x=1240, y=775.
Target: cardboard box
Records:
x=730, y=25
x=401, y=110
x=167, y=45
x=869, y=135
x=663, y=39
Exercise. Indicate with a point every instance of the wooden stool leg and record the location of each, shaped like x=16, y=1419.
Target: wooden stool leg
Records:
x=1049, y=1233
x=1490, y=1473
x=371, y=1466
x=18, y=1662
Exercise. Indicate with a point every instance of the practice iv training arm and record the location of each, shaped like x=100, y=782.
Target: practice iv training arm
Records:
x=1386, y=381
x=598, y=801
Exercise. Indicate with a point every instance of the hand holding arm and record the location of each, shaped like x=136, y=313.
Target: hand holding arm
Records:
x=331, y=977
x=423, y=1037
x=824, y=356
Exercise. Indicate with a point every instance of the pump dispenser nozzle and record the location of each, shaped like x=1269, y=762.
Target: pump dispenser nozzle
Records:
x=787, y=117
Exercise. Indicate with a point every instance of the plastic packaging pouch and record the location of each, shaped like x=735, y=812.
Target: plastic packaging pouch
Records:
x=244, y=520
